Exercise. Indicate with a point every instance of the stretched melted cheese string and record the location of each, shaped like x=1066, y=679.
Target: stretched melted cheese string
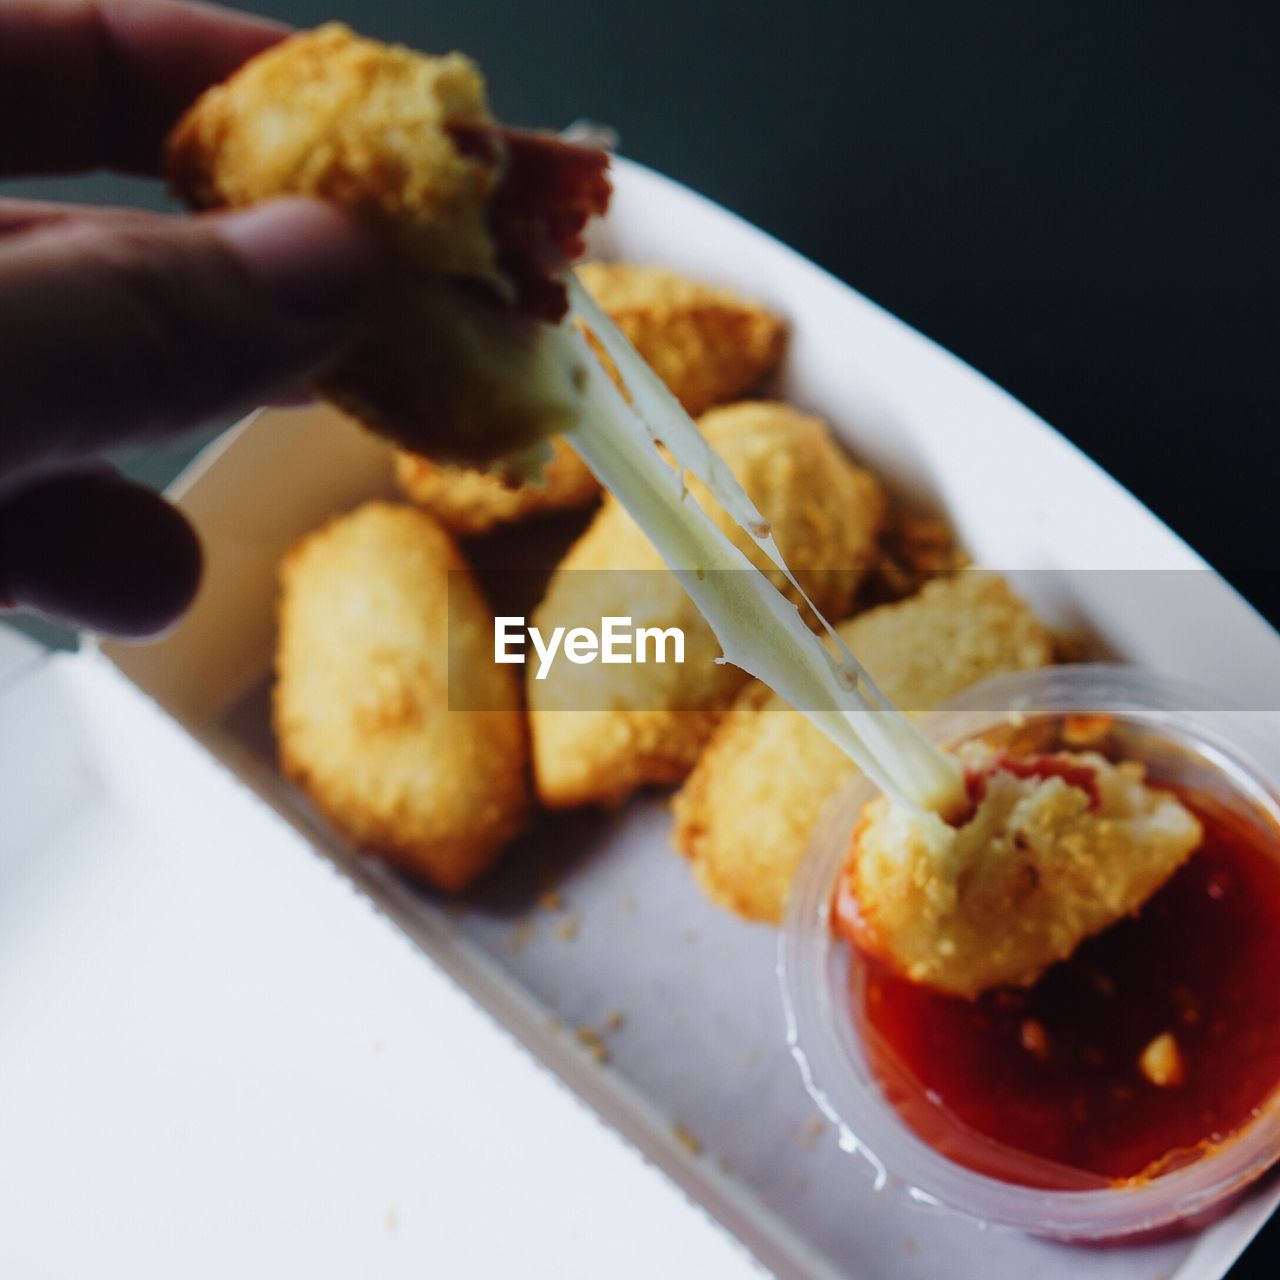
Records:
x=758, y=628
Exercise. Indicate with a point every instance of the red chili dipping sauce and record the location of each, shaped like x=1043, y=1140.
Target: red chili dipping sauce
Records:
x=1156, y=1040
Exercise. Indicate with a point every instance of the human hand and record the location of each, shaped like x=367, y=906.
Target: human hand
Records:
x=120, y=327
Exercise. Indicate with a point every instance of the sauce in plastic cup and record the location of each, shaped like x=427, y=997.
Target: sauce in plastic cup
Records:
x=1186, y=737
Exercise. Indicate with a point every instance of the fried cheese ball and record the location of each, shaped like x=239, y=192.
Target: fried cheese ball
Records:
x=1058, y=848
x=601, y=731
x=745, y=816
x=460, y=357
x=378, y=615
x=914, y=548
x=470, y=500
x=708, y=344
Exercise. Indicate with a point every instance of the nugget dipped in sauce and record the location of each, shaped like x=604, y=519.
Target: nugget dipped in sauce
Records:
x=462, y=356
x=381, y=629
x=708, y=344
x=1054, y=849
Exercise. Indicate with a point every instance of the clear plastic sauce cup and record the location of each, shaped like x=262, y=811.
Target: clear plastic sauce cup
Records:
x=1187, y=739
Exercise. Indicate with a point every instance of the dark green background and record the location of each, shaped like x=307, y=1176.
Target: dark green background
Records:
x=1081, y=200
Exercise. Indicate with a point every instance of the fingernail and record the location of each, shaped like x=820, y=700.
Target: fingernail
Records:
x=311, y=259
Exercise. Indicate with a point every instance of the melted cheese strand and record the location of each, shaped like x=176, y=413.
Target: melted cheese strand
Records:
x=664, y=417
x=759, y=630
x=668, y=424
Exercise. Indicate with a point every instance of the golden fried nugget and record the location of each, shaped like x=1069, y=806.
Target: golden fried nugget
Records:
x=599, y=732
x=377, y=614
x=708, y=345
x=329, y=114
x=913, y=549
x=473, y=222
x=1058, y=848
x=748, y=809
x=467, y=500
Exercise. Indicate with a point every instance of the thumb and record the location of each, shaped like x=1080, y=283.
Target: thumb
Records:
x=118, y=330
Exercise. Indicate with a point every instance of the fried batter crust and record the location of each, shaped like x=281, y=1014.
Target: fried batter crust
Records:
x=438, y=368
x=709, y=345
x=748, y=809
x=377, y=609
x=326, y=113
x=468, y=500
x=1038, y=868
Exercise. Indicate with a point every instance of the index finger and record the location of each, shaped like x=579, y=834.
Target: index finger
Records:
x=87, y=83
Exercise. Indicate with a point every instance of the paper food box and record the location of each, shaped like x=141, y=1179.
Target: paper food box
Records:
x=229, y=1037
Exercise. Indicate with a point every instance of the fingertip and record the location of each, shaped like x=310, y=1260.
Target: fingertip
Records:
x=172, y=322
x=311, y=260
x=100, y=554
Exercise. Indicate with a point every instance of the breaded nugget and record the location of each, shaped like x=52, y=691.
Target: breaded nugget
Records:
x=378, y=614
x=1057, y=848
x=599, y=732
x=913, y=549
x=747, y=811
x=457, y=358
x=468, y=500
x=710, y=345
x=329, y=114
